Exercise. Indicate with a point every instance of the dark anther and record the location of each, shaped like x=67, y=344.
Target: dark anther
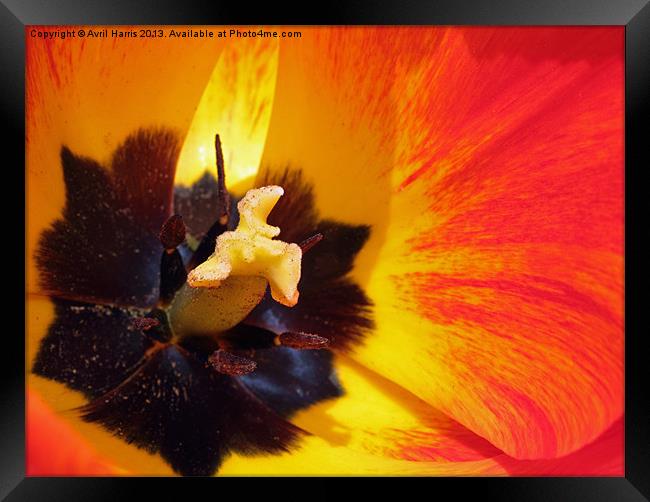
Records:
x=172, y=233
x=222, y=192
x=172, y=268
x=302, y=341
x=309, y=243
x=207, y=244
x=154, y=324
x=230, y=364
x=145, y=323
x=158, y=325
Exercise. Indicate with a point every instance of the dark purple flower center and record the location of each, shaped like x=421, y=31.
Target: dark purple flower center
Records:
x=115, y=261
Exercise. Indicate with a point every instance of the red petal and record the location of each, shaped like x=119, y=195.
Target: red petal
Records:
x=499, y=286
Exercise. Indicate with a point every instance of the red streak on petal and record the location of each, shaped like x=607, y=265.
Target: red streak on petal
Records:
x=602, y=457
x=501, y=404
x=456, y=444
x=446, y=306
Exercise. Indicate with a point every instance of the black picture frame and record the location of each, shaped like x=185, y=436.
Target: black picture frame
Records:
x=633, y=14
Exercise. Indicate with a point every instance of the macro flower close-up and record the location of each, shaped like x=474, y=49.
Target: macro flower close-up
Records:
x=365, y=251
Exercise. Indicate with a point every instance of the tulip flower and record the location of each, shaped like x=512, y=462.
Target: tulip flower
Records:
x=392, y=251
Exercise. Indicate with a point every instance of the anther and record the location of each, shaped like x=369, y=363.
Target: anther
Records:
x=172, y=233
x=206, y=246
x=172, y=268
x=144, y=323
x=230, y=364
x=222, y=191
x=309, y=243
x=303, y=341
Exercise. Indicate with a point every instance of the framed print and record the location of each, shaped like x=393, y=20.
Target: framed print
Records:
x=396, y=243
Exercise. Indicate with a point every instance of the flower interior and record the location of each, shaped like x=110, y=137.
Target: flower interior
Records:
x=195, y=325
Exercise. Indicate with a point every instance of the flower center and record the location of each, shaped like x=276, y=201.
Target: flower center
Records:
x=222, y=288
x=251, y=251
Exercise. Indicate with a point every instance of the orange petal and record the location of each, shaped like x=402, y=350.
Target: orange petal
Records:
x=489, y=162
x=499, y=289
x=56, y=449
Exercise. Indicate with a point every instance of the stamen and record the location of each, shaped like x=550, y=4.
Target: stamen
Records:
x=230, y=364
x=309, y=243
x=222, y=191
x=172, y=269
x=303, y=341
x=144, y=323
x=172, y=233
x=154, y=324
x=157, y=325
x=206, y=246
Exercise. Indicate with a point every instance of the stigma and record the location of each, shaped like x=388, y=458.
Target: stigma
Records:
x=252, y=250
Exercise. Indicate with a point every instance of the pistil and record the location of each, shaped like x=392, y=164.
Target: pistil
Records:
x=223, y=290
x=250, y=250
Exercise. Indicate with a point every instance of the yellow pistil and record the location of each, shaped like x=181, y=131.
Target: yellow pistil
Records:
x=251, y=250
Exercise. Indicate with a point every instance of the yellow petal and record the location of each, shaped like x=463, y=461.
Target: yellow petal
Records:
x=89, y=94
x=236, y=104
x=375, y=428
x=329, y=119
